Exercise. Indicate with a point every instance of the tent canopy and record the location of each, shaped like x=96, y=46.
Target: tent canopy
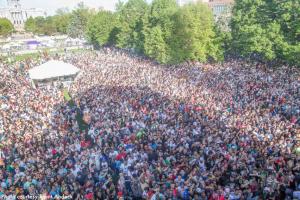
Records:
x=52, y=69
x=32, y=42
x=6, y=46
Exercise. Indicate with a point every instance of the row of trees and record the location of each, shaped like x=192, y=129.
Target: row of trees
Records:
x=264, y=30
x=161, y=30
x=63, y=22
x=267, y=31
x=49, y=25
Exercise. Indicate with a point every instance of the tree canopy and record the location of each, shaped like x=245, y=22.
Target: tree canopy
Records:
x=41, y=25
x=74, y=24
x=159, y=30
x=6, y=27
x=194, y=36
x=268, y=30
x=130, y=24
x=62, y=20
x=100, y=28
x=264, y=30
x=78, y=21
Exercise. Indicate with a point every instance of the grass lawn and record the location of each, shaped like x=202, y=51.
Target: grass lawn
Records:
x=26, y=56
x=34, y=56
x=66, y=95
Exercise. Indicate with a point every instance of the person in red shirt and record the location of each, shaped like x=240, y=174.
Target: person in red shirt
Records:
x=217, y=196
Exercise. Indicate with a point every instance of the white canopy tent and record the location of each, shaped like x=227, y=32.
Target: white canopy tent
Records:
x=6, y=46
x=53, y=69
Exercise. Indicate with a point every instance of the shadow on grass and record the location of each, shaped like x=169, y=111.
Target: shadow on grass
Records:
x=79, y=116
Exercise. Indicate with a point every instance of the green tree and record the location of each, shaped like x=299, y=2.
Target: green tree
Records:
x=78, y=21
x=44, y=26
x=156, y=47
x=194, y=34
x=130, y=26
x=40, y=24
x=100, y=28
x=158, y=30
x=48, y=27
x=287, y=15
x=223, y=31
x=249, y=36
x=6, y=27
x=30, y=25
x=267, y=29
x=62, y=20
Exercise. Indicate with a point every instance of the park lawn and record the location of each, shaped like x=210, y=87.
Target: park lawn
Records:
x=34, y=56
x=23, y=57
x=67, y=95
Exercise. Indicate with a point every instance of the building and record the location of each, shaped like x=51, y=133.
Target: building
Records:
x=183, y=2
x=18, y=15
x=219, y=7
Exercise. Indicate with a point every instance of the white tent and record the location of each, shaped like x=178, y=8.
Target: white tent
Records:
x=53, y=69
x=6, y=46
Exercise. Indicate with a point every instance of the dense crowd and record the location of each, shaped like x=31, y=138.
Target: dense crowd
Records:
x=228, y=131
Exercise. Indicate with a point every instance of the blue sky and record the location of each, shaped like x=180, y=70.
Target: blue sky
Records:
x=50, y=6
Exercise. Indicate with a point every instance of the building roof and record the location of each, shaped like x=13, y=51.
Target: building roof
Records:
x=32, y=42
x=52, y=69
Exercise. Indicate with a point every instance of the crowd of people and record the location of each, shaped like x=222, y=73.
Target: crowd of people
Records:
x=201, y=132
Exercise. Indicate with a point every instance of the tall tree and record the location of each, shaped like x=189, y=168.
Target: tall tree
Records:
x=249, y=35
x=78, y=21
x=155, y=44
x=159, y=29
x=267, y=29
x=223, y=31
x=100, y=28
x=30, y=25
x=194, y=37
x=49, y=27
x=287, y=15
x=130, y=26
x=6, y=27
x=62, y=20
